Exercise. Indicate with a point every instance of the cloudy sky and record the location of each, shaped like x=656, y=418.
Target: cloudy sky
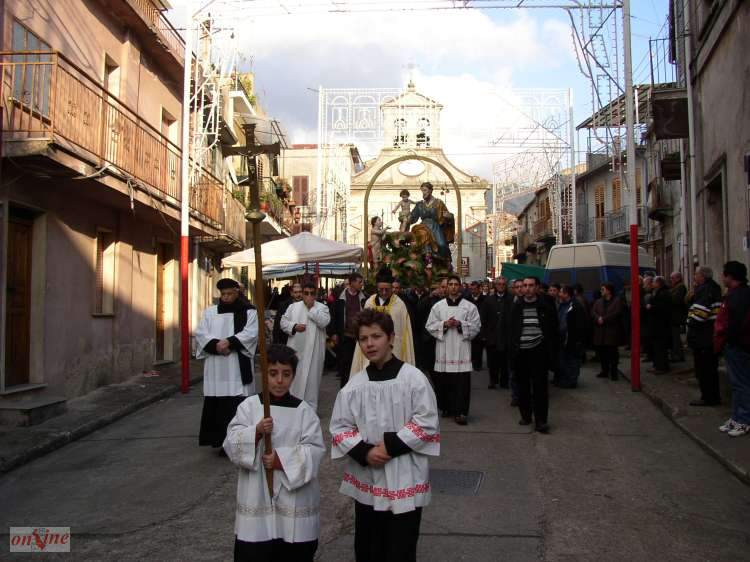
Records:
x=469, y=60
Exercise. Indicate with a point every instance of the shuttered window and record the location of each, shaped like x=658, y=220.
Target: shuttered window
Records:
x=616, y=194
x=104, y=281
x=599, y=201
x=300, y=188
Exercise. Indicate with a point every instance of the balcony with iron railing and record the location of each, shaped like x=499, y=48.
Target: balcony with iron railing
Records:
x=48, y=100
x=146, y=21
x=613, y=226
x=618, y=223
x=276, y=208
x=542, y=229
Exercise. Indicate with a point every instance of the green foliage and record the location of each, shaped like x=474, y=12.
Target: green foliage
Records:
x=411, y=263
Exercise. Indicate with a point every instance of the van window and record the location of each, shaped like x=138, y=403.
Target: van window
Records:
x=560, y=257
x=561, y=276
x=590, y=278
x=588, y=256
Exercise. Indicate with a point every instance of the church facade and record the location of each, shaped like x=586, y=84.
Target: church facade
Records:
x=411, y=124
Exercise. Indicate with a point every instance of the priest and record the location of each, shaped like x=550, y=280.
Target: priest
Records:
x=454, y=322
x=385, y=301
x=305, y=324
x=226, y=338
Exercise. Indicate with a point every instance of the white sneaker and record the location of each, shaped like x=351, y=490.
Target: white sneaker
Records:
x=727, y=426
x=739, y=430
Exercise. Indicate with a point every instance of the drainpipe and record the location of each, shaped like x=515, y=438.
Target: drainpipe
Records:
x=685, y=265
x=691, y=128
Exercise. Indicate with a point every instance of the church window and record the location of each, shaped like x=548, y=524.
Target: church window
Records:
x=423, y=136
x=400, y=139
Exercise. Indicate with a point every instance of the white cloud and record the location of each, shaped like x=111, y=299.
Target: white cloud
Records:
x=464, y=60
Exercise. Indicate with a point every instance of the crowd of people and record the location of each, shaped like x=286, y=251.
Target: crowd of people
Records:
x=405, y=357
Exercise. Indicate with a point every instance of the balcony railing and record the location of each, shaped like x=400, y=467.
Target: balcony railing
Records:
x=615, y=224
x=618, y=222
x=542, y=228
x=46, y=97
x=156, y=20
x=234, y=218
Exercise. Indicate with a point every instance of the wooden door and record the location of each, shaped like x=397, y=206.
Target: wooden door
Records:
x=163, y=257
x=18, y=313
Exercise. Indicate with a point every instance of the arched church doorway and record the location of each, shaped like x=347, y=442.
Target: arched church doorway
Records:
x=446, y=171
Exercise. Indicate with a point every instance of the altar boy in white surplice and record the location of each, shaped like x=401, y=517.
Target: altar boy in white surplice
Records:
x=226, y=338
x=385, y=427
x=305, y=323
x=284, y=528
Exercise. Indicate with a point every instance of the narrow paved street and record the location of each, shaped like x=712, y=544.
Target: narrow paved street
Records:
x=615, y=480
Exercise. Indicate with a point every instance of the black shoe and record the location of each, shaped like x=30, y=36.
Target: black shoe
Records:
x=461, y=420
x=602, y=375
x=445, y=414
x=524, y=422
x=506, y=385
x=514, y=403
x=568, y=385
x=491, y=386
x=705, y=403
x=542, y=428
x=614, y=378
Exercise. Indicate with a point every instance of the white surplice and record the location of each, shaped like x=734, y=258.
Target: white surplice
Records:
x=221, y=373
x=310, y=346
x=364, y=411
x=293, y=515
x=453, y=347
x=403, y=342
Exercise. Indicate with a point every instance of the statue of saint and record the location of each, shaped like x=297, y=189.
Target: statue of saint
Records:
x=436, y=217
x=376, y=242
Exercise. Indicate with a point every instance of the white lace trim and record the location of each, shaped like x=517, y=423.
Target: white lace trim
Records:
x=283, y=510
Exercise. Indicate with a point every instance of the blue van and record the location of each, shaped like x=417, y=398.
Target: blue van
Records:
x=594, y=263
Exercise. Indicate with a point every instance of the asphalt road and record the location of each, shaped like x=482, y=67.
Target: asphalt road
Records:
x=614, y=480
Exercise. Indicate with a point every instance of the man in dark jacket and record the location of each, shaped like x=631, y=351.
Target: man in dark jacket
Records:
x=647, y=295
x=477, y=344
x=704, y=302
x=495, y=315
x=533, y=344
x=350, y=303
x=660, y=308
x=418, y=303
x=572, y=321
x=732, y=334
x=678, y=293
x=295, y=296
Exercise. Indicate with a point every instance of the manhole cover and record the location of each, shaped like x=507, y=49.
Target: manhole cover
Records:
x=456, y=482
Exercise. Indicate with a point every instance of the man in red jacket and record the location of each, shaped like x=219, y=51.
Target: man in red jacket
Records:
x=732, y=334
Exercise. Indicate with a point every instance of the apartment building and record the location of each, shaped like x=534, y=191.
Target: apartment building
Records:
x=90, y=197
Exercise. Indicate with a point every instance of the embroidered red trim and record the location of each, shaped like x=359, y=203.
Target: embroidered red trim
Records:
x=422, y=434
x=339, y=437
x=379, y=492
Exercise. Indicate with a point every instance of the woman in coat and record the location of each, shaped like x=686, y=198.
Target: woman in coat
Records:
x=608, y=334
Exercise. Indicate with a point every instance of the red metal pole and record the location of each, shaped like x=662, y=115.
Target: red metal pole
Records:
x=184, y=313
x=635, y=312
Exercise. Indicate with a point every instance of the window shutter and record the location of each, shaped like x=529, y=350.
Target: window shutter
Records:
x=616, y=194
x=599, y=200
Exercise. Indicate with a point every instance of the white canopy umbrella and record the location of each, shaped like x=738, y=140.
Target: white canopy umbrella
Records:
x=300, y=248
